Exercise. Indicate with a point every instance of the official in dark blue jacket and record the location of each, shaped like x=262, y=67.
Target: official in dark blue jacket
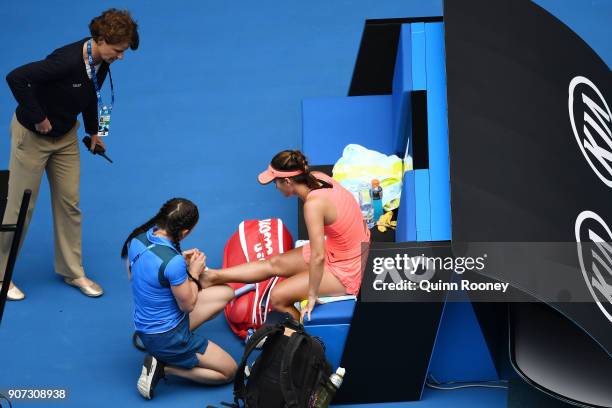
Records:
x=50, y=94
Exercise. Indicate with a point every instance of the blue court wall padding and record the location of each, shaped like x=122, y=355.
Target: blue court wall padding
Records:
x=402, y=85
x=423, y=205
x=329, y=124
x=418, y=55
x=439, y=191
x=460, y=352
x=413, y=221
x=406, y=216
x=424, y=48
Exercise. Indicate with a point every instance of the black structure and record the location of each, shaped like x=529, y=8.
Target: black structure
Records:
x=551, y=355
x=389, y=344
x=373, y=72
x=17, y=230
x=419, y=143
x=4, y=176
x=529, y=130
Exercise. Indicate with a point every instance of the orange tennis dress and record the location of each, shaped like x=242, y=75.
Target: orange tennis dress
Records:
x=347, y=239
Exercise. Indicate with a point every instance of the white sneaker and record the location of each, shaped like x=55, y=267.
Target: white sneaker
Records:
x=152, y=372
x=14, y=293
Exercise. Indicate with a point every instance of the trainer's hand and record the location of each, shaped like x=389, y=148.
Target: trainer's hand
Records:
x=197, y=262
x=96, y=140
x=187, y=254
x=43, y=127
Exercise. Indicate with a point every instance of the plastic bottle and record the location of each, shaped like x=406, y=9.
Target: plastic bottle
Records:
x=326, y=393
x=354, y=190
x=365, y=203
x=377, y=193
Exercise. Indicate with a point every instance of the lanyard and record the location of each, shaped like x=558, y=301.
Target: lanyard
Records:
x=94, y=78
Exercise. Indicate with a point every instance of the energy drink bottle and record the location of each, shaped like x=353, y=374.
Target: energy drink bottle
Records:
x=377, y=193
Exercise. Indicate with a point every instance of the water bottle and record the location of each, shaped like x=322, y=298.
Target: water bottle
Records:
x=326, y=393
x=365, y=202
x=377, y=199
x=354, y=190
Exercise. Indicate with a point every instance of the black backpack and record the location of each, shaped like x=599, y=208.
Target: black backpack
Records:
x=288, y=371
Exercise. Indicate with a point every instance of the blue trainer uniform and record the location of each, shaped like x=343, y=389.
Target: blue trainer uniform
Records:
x=161, y=325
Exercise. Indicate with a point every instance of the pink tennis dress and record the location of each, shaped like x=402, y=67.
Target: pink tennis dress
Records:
x=348, y=238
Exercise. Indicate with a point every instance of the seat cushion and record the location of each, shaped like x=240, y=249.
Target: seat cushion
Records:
x=332, y=313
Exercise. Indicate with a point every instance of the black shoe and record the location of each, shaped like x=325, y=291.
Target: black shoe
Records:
x=137, y=342
x=152, y=372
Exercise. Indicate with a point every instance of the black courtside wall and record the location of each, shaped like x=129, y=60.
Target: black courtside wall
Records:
x=518, y=170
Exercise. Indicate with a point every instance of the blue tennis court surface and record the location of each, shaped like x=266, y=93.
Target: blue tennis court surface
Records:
x=214, y=90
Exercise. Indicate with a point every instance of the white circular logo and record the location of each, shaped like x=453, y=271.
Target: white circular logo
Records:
x=591, y=228
x=591, y=122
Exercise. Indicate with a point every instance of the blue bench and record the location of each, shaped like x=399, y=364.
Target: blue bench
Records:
x=330, y=322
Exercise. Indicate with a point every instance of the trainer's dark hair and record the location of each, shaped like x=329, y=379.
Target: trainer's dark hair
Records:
x=176, y=215
x=115, y=26
x=289, y=160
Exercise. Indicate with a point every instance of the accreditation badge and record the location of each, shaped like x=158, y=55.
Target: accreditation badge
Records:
x=104, y=121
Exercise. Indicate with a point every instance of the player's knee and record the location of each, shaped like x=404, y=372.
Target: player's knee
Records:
x=279, y=301
x=229, y=371
x=227, y=293
x=276, y=265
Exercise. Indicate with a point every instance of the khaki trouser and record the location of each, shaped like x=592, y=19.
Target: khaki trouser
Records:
x=31, y=154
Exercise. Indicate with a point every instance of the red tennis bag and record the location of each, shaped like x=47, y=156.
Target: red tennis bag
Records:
x=254, y=241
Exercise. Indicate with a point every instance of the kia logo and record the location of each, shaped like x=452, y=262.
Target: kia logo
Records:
x=591, y=122
x=596, y=258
